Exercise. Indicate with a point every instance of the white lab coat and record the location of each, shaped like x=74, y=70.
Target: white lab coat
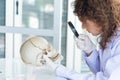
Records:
x=105, y=64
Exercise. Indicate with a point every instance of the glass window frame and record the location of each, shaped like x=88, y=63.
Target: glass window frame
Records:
x=73, y=55
x=10, y=30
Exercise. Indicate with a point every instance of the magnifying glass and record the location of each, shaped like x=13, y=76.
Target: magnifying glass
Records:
x=73, y=29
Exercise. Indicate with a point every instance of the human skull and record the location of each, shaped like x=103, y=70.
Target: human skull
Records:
x=33, y=49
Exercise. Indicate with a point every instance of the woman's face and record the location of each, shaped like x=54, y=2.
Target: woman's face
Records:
x=92, y=27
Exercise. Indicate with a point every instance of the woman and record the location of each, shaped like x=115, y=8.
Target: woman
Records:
x=97, y=17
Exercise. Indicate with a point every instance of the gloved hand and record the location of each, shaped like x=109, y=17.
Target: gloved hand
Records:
x=50, y=63
x=84, y=43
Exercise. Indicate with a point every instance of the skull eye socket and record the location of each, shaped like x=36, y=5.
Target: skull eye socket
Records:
x=45, y=53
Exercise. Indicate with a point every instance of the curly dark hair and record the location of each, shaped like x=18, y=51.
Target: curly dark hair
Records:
x=106, y=13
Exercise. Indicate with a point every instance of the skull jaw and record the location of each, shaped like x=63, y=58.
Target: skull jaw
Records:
x=34, y=48
x=42, y=62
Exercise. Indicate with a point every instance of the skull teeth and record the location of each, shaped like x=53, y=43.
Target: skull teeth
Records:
x=55, y=57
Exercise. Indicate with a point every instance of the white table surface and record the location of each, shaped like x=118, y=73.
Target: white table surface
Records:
x=35, y=75
x=39, y=76
x=27, y=73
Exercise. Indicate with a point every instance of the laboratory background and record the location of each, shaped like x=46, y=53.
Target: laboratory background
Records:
x=21, y=19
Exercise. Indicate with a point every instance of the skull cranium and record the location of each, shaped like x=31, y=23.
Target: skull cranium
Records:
x=33, y=49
